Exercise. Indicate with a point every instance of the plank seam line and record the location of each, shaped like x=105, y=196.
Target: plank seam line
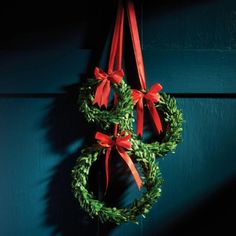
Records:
x=177, y=95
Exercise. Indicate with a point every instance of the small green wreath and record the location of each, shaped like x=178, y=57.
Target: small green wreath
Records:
x=173, y=120
x=95, y=208
x=121, y=113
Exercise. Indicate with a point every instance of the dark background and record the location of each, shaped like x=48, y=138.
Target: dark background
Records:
x=45, y=51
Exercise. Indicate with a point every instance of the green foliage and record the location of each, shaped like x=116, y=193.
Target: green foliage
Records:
x=173, y=120
x=121, y=114
x=151, y=182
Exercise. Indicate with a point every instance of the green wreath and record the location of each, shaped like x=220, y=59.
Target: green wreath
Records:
x=121, y=113
x=96, y=208
x=173, y=119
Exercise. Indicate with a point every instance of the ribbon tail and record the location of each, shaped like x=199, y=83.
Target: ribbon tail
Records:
x=117, y=76
x=156, y=88
x=107, y=167
x=104, y=140
x=131, y=166
x=102, y=93
x=155, y=117
x=140, y=118
x=115, y=99
x=106, y=93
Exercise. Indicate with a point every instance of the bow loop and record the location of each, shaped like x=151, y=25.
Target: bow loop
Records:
x=156, y=88
x=100, y=74
x=124, y=141
x=136, y=95
x=116, y=76
x=103, y=90
x=104, y=140
x=152, y=95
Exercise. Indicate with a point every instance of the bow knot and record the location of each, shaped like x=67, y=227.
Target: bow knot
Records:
x=151, y=98
x=103, y=90
x=120, y=143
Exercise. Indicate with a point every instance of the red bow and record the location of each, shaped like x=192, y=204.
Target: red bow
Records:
x=120, y=143
x=103, y=89
x=151, y=97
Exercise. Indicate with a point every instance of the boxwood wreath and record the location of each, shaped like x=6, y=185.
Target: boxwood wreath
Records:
x=152, y=182
x=173, y=120
x=121, y=113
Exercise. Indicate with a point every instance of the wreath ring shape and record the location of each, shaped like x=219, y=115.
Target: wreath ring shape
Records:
x=173, y=120
x=121, y=113
x=152, y=182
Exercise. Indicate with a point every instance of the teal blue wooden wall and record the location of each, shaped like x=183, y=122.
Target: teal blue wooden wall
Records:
x=188, y=46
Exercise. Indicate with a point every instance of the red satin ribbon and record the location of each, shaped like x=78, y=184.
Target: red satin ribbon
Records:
x=136, y=43
x=152, y=95
x=151, y=98
x=103, y=90
x=117, y=41
x=120, y=143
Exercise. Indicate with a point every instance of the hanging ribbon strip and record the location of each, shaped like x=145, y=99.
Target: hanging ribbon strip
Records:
x=120, y=143
x=150, y=96
x=103, y=90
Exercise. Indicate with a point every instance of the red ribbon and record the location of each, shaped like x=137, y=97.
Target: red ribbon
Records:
x=152, y=95
x=136, y=43
x=151, y=98
x=103, y=90
x=120, y=143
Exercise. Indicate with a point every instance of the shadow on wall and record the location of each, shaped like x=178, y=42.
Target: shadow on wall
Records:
x=63, y=212
x=80, y=25
x=65, y=125
x=214, y=215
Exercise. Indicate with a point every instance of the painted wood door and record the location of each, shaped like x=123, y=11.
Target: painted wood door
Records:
x=188, y=46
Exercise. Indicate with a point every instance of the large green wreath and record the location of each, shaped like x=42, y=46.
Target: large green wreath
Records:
x=121, y=113
x=95, y=208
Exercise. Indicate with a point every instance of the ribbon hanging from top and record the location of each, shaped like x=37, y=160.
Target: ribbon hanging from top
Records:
x=151, y=97
x=103, y=90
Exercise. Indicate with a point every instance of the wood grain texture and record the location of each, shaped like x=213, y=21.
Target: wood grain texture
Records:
x=196, y=24
x=179, y=71
x=188, y=46
x=41, y=71
x=33, y=159
x=191, y=71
